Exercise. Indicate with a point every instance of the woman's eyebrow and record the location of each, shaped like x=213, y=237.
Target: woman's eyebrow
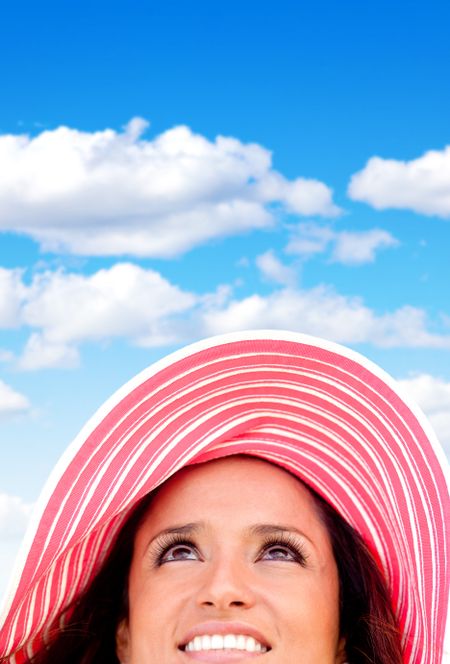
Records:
x=258, y=530
x=266, y=529
x=187, y=529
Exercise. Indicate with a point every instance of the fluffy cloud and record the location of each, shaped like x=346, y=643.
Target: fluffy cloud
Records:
x=347, y=247
x=11, y=402
x=421, y=185
x=120, y=301
x=433, y=396
x=110, y=193
x=323, y=312
x=62, y=310
x=14, y=515
x=123, y=301
x=301, y=196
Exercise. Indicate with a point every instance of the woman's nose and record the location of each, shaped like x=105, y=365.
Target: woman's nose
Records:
x=226, y=584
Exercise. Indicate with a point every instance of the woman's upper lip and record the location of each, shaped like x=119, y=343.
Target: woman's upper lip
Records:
x=224, y=627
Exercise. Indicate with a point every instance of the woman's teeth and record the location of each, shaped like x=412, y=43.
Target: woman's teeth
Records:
x=224, y=642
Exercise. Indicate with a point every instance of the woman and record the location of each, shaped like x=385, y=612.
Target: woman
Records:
x=239, y=548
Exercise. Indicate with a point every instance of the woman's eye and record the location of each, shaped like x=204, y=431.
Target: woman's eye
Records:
x=279, y=553
x=179, y=552
x=283, y=553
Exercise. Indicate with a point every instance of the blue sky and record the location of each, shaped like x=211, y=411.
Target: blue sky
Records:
x=174, y=170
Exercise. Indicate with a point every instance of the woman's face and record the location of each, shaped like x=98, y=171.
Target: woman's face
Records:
x=232, y=564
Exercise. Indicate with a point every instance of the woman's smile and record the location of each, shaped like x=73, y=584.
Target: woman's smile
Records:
x=223, y=641
x=232, y=564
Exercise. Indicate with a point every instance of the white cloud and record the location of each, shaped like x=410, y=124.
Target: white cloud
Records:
x=433, y=396
x=274, y=270
x=421, y=185
x=11, y=402
x=63, y=310
x=122, y=301
x=301, y=196
x=361, y=247
x=347, y=247
x=110, y=193
x=14, y=516
x=323, y=312
x=40, y=352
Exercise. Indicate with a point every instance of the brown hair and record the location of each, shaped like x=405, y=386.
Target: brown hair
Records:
x=367, y=620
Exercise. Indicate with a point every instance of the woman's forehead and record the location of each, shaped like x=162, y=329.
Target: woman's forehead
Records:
x=236, y=491
x=243, y=473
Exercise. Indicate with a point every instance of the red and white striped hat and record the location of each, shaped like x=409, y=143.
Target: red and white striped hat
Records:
x=322, y=411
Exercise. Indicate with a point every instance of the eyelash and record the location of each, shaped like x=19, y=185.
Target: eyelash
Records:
x=287, y=542
x=167, y=542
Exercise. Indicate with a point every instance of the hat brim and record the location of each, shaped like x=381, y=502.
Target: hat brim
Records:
x=320, y=410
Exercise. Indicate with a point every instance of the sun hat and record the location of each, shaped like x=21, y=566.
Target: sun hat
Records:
x=321, y=411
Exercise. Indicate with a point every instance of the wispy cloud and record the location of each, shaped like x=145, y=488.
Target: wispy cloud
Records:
x=356, y=248
x=346, y=247
x=12, y=402
x=110, y=193
x=308, y=239
x=421, y=185
x=275, y=270
x=40, y=352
